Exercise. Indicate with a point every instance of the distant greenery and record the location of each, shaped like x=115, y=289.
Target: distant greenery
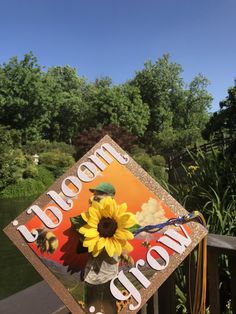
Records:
x=57, y=105
x=23, y=188
x=57, y=162
x=29, y=186
x=19, y=175
x=46, y=112
x=154, y=165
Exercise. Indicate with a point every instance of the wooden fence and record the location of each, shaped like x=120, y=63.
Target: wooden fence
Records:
x=40, y=299
x=174, y=161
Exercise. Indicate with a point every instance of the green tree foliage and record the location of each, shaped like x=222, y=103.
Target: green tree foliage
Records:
x=36, y=181
x=23, y=98
x=70, y=109
x=154, y=165
x=58, y=105
x=177, y=114
x=222, y=124
x=121, y=105
x=45, y=108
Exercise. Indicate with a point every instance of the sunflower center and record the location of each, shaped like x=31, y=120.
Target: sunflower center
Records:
x=107, y=227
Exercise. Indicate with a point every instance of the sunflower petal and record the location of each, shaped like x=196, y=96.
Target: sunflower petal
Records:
x=96, y=251
x=126, y=220
x=84, y=228
x=123, y=234
x=128, y=247
x=96, y=205
x=92, y=222
x=90, y=242
x=122, y=209
x=94, y=213
x=108, y=207
x=109, y=246
x=101, y=243
x=85, y=216
x=91, y=233
x=117, y=246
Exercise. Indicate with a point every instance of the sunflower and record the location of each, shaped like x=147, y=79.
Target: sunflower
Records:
x=107, y=227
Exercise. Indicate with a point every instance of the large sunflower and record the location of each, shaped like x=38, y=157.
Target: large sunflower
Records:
x=107, y=227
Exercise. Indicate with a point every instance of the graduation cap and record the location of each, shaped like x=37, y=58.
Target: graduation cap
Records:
x=132, y=240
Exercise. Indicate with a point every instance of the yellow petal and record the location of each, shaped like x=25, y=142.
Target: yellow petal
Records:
x=91, y=233
x=96, y=205
x=123, y=234
x=96, y=251
x=85, y=216
x=94, y=213
x=83, y=229
x=122, y=208
x=101, y=243
x=109, y=246
x=108, y=207
x=117, y=246
x=90, y=242
x=128, y=247
x=126, y=220
x=92, y=222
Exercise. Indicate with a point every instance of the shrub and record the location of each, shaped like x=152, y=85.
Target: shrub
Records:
x=23, y=188
x=45, y=176
x=30, y=172
x=56, y=162
x=42, y=146
x=154, y=165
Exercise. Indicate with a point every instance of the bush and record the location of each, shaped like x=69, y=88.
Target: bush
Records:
x=29, y=186
x=30, y=172
x=56, y=162
x=23, y=188
x=42, y=146
x=45, y=176
x=154, y=165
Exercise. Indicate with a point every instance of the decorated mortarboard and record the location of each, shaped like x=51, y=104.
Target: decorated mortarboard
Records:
x=106, y=252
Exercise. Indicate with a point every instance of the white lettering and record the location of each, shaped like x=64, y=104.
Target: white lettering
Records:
x=153, y=262
x=137, y=273
x=129, y=286
x=68, y=191
x=44, y=217
x=172, y=237
x=64, y=204
x=29, y=236
x=92, y=170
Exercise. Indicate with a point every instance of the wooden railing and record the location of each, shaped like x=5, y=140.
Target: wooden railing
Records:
x=175, y=161
x=40, y=299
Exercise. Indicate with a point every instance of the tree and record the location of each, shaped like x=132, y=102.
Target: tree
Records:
x=23, y=98
x=42, y=105
x=177, y=114
x=68, y=92
x=121, y=105
x=222, y=124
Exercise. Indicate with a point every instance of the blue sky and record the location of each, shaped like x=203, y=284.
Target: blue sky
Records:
x=115, y=38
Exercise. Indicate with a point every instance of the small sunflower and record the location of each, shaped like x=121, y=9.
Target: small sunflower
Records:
x=107, y=227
